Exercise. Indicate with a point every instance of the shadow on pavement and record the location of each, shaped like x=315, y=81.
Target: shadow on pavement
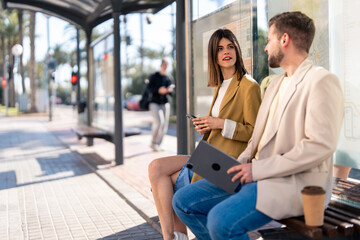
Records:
x=143, y=231
x=69, y=167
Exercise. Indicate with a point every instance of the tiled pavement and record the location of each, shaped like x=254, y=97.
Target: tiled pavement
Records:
x=48, y=192
x=52, y=186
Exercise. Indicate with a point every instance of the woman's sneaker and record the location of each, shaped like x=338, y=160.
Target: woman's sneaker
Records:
x=180, y=236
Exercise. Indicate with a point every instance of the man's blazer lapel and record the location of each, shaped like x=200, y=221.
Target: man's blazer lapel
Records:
x=290, y=91
x=264, y=111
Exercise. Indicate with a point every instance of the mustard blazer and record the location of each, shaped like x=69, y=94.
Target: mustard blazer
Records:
x=240, y=104
x=303, y=136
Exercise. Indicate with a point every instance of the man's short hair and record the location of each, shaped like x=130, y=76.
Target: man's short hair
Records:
x=298, y=26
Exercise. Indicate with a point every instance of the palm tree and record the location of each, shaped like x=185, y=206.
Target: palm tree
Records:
x=60, y=56
x=3, y=71
x=11, y=35
x=32, y=63
x=21, y=36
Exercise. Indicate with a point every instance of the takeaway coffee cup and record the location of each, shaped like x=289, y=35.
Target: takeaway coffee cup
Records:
x=313, y=198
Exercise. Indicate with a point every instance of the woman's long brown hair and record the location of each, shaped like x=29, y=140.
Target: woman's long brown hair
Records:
x=215, y=75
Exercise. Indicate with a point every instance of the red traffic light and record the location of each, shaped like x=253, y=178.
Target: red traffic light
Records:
x=3, y=82
x=74, y=79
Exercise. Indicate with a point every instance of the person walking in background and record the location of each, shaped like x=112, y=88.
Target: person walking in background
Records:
x=160, y=87
x=295, y=136
x=228, y=126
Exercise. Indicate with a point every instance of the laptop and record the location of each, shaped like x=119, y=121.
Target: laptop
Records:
x=212, y=164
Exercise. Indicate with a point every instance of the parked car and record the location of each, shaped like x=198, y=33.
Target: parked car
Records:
x=132, y=103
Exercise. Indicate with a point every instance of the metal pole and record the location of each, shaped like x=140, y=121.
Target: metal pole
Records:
x=78, y=97
x=47, y=69
x=141, y=41
x=7, y=98
x=50, y=102
x=118, y=131
x=173, y=32
x=7, y=83
x=90, y=77
x=181, y=77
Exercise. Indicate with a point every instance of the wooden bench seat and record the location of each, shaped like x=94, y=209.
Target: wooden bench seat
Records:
x=341, y=218
x=91, y=132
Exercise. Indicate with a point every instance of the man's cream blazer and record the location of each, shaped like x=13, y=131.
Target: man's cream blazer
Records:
x=303, y=135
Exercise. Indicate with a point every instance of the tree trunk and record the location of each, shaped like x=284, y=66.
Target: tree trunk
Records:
x=21, y=66
x=32, y=63
x=3, y=65
x=11, y=80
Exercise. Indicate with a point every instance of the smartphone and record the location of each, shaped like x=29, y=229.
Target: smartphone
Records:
x=190, y=116
x=172, y=86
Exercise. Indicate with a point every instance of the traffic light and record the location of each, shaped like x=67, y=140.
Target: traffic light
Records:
x=74, y=79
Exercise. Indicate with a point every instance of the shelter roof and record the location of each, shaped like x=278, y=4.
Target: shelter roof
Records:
x=87, y=14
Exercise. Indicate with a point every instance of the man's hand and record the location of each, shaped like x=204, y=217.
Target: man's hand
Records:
x=244, y=173
x=205, y=124
x=163, y=91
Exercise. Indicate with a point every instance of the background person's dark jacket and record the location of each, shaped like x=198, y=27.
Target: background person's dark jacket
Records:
x=156, y=81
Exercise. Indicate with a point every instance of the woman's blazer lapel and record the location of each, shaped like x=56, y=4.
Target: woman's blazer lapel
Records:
x=230, y=92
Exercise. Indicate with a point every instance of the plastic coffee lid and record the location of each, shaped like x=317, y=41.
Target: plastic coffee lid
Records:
x=313, y=190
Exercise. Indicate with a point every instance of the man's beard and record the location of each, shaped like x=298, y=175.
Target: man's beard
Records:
x=274, y=61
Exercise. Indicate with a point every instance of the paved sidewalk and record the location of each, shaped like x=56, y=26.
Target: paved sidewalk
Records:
x=48, y=192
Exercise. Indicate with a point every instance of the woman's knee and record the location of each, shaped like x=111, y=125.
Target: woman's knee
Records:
x=155, y=169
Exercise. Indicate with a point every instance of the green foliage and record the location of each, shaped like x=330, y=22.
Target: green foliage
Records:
x=261, y=69
x=137, y=81
x=60, y=56
x=154, y=54
x=12, y=111
x=62, y=93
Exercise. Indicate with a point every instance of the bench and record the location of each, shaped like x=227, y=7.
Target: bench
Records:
x=91, y=132
x=341, y=218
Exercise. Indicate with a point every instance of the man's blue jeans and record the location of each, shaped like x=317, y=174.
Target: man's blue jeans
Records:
x=212, y=213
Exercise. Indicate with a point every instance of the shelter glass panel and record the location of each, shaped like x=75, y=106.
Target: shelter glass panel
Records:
x=235, y=16
x=334, y=48
x=103, y=115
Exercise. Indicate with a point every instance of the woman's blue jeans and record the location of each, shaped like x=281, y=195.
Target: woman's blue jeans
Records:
x=212, y=213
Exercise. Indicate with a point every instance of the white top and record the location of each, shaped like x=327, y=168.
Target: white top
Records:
x=229, y=125
x=216, y=108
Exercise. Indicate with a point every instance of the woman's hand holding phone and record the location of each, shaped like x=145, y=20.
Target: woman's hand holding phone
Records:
x=205, y=124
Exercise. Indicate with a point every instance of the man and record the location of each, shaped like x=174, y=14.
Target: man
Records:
x=295, y=135
x=160, y=87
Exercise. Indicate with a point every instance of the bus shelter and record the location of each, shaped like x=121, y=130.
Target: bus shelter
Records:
x=87, y=14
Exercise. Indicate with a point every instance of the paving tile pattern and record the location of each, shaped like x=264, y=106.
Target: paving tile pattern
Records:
x=46, y=192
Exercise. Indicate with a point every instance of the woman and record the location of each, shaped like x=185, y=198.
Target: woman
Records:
x=228, y=127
